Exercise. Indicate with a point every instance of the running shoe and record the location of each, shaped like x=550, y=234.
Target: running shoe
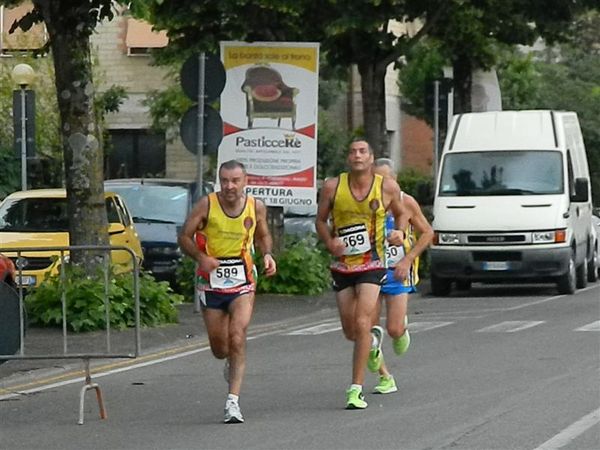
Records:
x=386, y=385
x=355, y=399
x=232, y=412
x=402, y=343
x=375, y=354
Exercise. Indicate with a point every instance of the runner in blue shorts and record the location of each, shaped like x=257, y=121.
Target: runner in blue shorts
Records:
x=402, y=278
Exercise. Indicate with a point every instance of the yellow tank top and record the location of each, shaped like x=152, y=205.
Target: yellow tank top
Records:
x=231, y=240
x=361, y=226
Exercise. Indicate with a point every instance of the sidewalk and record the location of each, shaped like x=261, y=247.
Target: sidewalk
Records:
x=189, y=330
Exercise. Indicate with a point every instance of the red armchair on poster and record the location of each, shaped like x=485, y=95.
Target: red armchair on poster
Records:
x=267, y=96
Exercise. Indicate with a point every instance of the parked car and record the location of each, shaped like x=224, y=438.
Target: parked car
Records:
x=299, y=225
x=38, y=218
x=7, y=270
x=159, y=207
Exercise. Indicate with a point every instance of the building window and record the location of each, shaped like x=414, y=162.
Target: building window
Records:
x=19, y=41
x=135, y=154
x=140, y=38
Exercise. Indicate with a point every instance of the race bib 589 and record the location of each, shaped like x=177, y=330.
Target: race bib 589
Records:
x=229, y=274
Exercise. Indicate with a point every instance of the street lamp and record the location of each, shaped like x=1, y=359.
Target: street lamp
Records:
x=23, y=75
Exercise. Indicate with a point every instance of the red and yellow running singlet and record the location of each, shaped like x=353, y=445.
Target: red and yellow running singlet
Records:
x=231, y=240
x=360, y=224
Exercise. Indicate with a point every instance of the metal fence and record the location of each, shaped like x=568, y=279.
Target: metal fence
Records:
x=106, y=352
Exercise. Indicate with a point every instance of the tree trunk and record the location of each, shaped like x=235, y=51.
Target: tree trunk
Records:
x=83, y=157
x=463, y=77
x=372, y=83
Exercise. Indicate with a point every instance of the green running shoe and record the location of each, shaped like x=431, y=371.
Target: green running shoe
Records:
x=375, y=354
x=386, y=385
x=355, y=399
x=402, y=343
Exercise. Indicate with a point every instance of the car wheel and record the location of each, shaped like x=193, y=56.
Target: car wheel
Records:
x=582, y=275
x=593, y=268
x=566, y=283
x=440, y=287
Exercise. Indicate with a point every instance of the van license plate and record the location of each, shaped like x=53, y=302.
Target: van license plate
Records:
x=25, y=280
x=495, y=265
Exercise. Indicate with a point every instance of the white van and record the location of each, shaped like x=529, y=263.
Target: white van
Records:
x=513, y=202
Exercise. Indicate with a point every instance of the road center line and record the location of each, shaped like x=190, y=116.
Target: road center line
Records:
x=571, y=432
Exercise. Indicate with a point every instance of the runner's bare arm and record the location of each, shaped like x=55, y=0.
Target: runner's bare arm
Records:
x=421, y=226
x=334, y=245
x=263, y=239
x=423, y=230
x=196, y=220
x=391, y=194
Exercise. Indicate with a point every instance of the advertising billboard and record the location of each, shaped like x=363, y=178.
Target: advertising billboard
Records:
x=269, y=110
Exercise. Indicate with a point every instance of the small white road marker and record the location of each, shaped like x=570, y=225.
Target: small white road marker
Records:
x=510, y=326
x=594, y=326
x=566, y=436
x=322, y=328
x=415, y=327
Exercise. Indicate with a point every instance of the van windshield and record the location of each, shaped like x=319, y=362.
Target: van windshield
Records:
x=518, y=172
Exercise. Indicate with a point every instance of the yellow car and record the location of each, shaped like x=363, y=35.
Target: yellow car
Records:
x=38, y=218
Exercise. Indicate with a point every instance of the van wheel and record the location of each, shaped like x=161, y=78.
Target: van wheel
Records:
x=440, y=287
x=566, y=283
x=582, y=275
x=463, y=285
x=593, y=268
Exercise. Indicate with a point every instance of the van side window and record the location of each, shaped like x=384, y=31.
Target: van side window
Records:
x=571, y=178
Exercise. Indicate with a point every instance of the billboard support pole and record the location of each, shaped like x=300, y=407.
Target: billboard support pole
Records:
x=200, y=153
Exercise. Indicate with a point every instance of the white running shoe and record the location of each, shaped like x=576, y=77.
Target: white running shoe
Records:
x=232, y=412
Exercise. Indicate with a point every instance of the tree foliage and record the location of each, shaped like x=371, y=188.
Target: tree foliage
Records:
x=352, y=32
x=372, y=34
x=472, y=31
x=69, y=24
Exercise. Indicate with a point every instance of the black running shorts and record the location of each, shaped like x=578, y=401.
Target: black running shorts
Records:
x=343, y=280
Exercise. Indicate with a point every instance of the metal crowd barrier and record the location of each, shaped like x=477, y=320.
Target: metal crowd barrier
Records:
x=106, y=353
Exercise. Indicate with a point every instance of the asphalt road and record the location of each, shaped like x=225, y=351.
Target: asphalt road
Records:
x=500, y=368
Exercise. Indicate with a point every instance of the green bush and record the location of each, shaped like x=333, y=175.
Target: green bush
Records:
x=418, y=185
x=184, y=277
x=85, y=301
x=302, y=268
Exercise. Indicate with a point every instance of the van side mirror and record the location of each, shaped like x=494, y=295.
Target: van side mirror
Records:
x=581, y=190
x=115, y=228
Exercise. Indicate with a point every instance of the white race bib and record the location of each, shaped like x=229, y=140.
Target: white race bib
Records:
x=229, y=274
x=393, y=254
x=355, y=238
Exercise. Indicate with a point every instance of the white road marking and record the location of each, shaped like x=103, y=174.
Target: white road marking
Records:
x=510, y=326
x=571, y=432
x=594, y=326
x=415, y=327
x=322, y=328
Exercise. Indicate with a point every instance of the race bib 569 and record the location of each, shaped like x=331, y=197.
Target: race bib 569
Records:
x=355, y=238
